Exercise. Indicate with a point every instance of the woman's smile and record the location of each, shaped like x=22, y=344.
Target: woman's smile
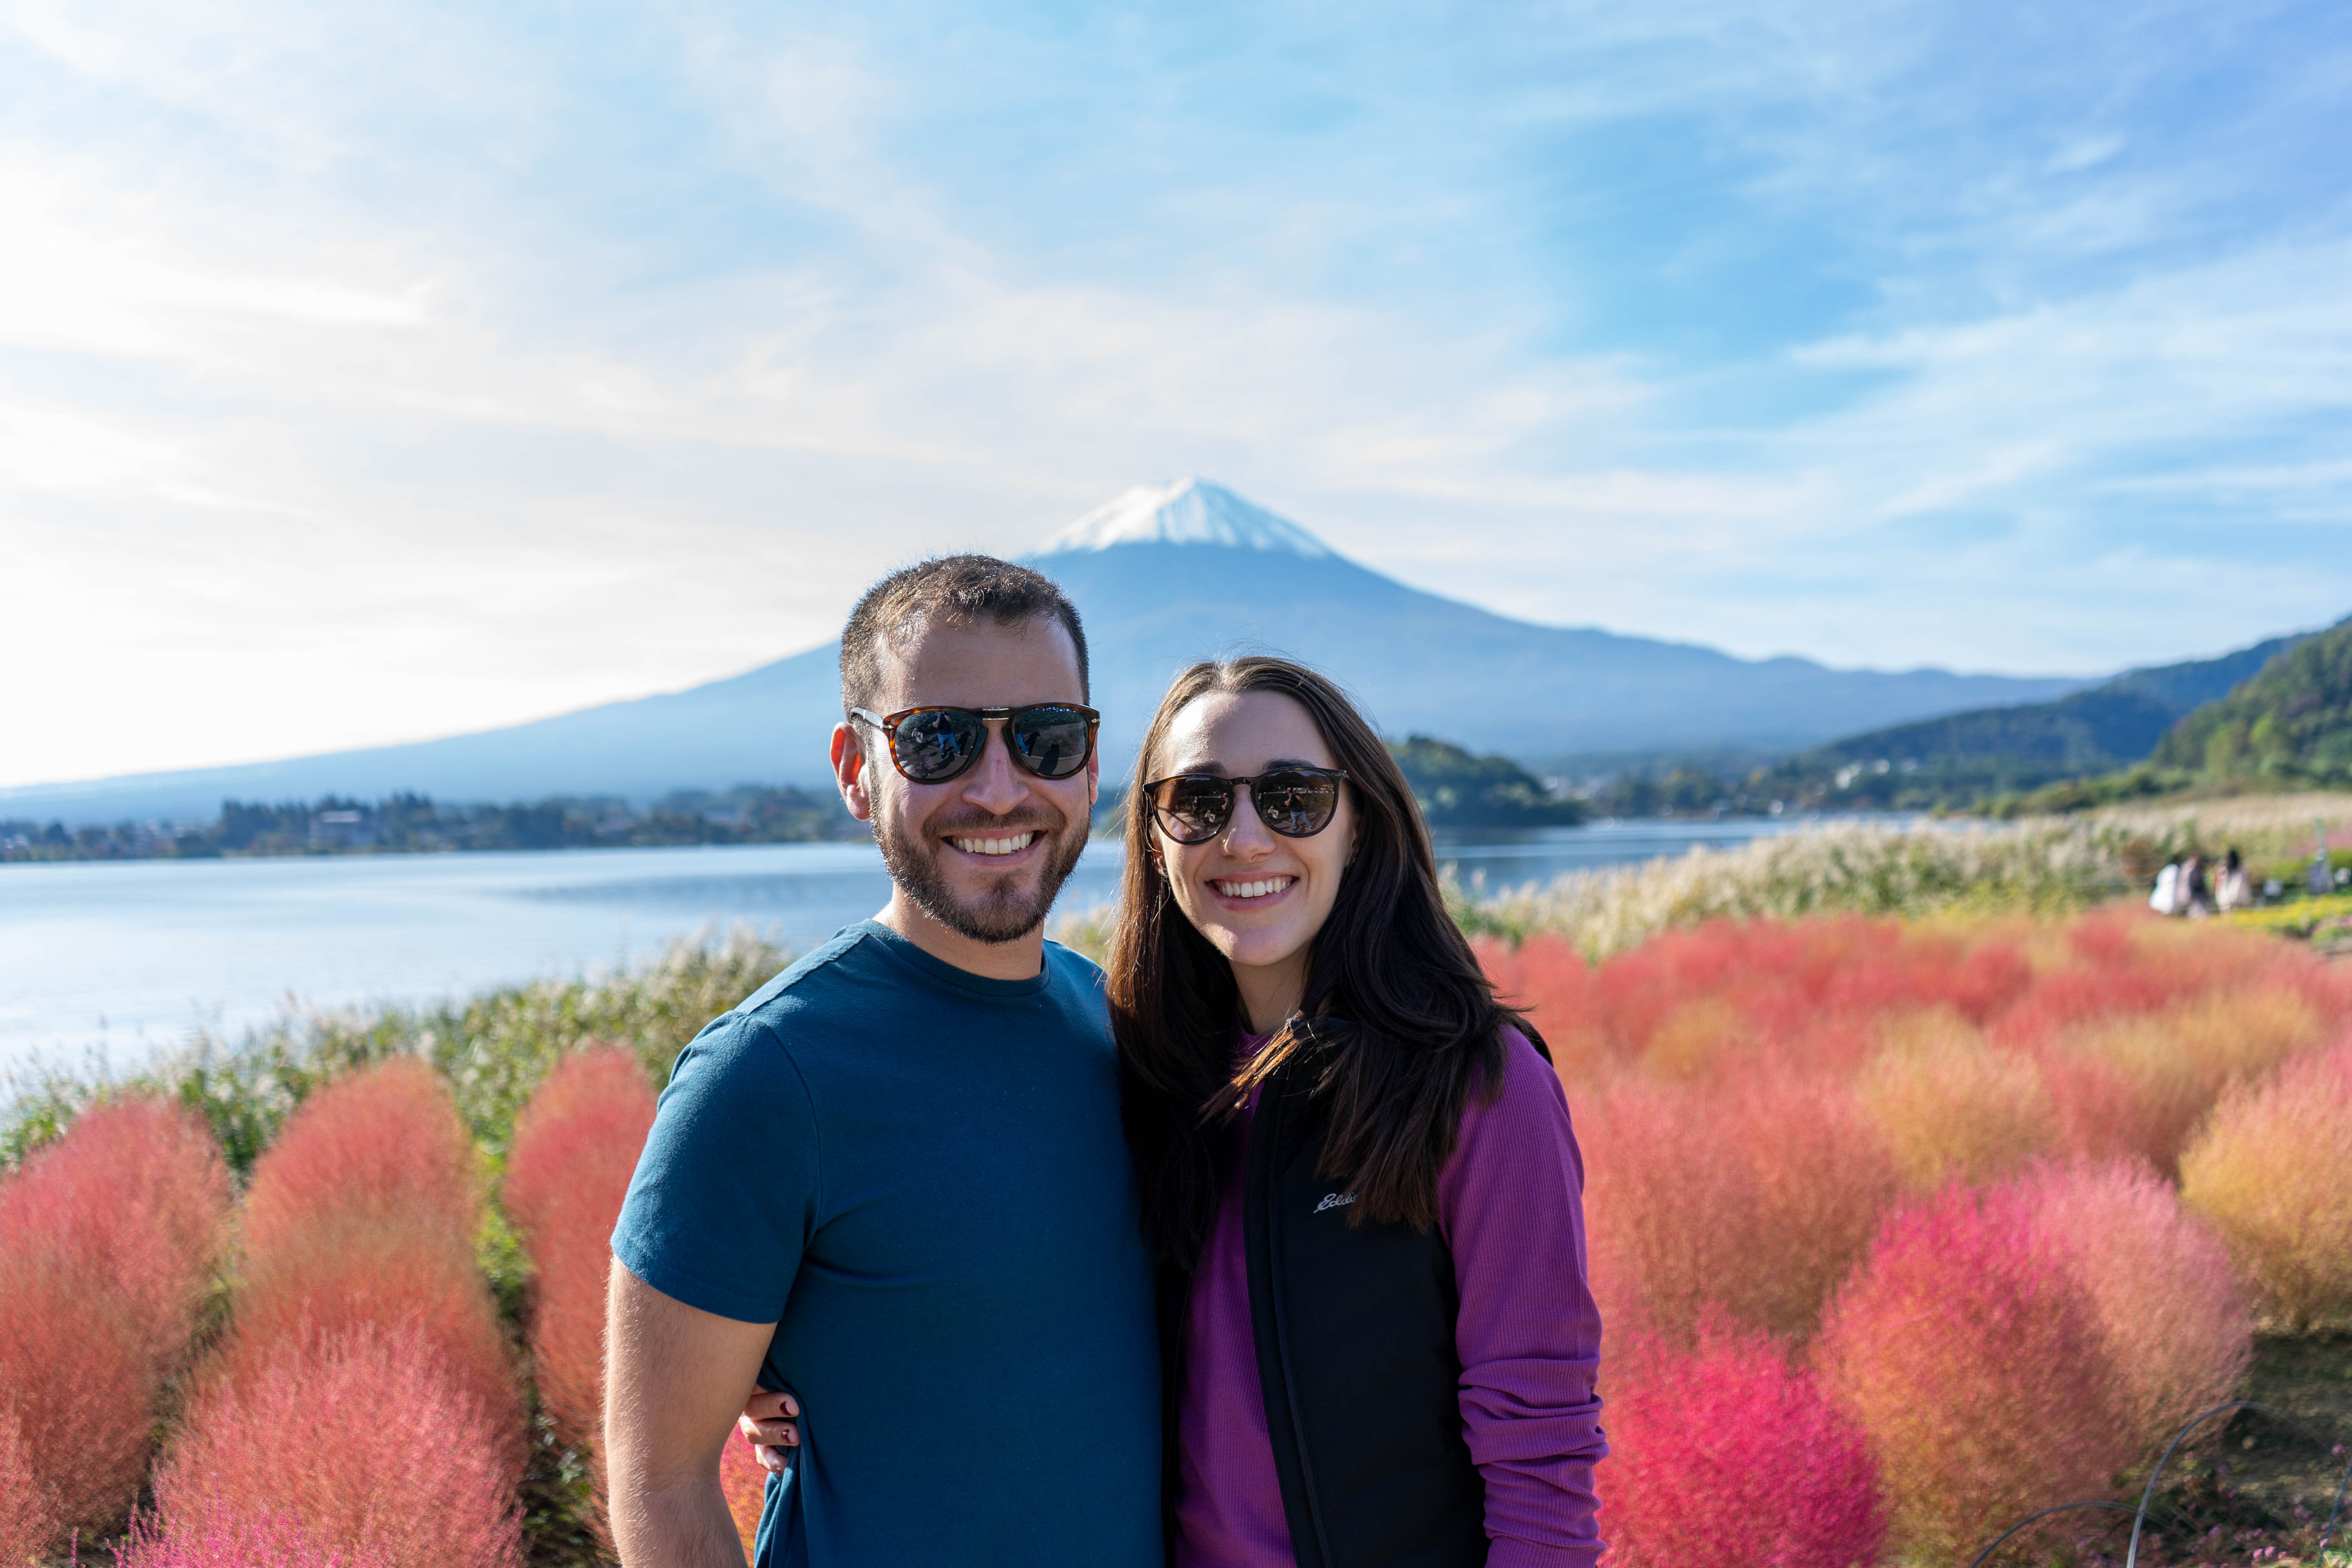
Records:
x=1251, y=892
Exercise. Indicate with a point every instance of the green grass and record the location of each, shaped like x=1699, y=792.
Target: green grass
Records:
x=2304, y=917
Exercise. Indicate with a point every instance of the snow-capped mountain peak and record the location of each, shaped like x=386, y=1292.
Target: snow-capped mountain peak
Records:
x=1190, y=511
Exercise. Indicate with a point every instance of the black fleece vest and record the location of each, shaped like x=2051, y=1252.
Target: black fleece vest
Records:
x=1354, y=1331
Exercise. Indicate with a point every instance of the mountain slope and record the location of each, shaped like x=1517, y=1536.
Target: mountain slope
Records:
x=1961, y=757
x=2292, y=720
x=1163, y=576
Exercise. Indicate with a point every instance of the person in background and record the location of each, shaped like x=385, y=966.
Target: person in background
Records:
x=2234, y=890
x=2165, y=900
x=2195, y=893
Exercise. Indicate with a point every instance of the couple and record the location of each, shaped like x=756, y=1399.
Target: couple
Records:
x=1279, y=1262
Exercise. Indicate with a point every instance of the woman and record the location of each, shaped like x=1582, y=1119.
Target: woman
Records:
x=1357, y=1166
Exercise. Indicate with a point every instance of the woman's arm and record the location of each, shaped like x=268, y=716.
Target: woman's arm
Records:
x=1511, y=1203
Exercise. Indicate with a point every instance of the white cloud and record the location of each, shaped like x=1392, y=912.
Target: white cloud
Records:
x=387, y=370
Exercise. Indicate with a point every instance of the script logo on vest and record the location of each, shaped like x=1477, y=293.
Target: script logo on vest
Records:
x=1335, y=1201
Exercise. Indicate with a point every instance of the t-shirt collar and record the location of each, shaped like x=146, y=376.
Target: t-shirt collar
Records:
x=941, y=972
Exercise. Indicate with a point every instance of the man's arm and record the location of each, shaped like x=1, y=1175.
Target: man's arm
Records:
x=675, y=1380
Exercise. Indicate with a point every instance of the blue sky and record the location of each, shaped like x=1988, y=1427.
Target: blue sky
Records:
x=372, y=371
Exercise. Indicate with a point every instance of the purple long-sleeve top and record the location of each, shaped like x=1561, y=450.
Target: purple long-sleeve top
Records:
x=1510, y=1206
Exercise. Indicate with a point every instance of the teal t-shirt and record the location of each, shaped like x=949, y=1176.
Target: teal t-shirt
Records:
x=919, y=1174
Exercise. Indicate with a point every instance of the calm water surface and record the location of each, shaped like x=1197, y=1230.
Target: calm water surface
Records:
x=121, y=959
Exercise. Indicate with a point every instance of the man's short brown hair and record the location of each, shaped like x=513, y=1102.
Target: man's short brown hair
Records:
x=951, y=588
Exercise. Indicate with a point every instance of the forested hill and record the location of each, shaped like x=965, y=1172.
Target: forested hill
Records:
x=1963, y=757
x=2291, y=720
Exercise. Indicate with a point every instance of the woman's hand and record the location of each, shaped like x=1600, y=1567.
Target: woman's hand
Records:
x=766, y=1425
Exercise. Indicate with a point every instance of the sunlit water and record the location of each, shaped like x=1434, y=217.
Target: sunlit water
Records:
x=116, y=960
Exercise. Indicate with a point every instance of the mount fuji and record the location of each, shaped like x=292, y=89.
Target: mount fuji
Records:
x=1162, y=575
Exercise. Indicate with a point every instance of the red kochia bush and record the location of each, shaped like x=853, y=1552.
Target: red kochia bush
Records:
x=107, y=1239
x=74, y=1387
x=363, y=1214
x=385, y=1142
x=575, y=1146
x=227, y=1542
x=135, y=1194
x=27, y=1509
x=2272, y=1170
x=1751, y=1196
x=1969, y=1351
x=2178, y=1326
x=1731, y=1457
x=355, y=1444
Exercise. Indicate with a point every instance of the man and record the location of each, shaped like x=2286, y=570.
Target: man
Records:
x=896, y=1172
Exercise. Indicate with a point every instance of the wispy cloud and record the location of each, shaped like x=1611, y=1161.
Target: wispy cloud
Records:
x=388, y=369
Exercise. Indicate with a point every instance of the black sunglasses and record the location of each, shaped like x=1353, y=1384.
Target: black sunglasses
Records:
x=1297, y=803
x=932, y=745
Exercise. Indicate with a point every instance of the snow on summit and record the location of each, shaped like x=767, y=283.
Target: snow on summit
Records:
x=1190, y=511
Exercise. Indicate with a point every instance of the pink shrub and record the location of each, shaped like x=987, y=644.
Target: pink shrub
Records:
x=745, y=1483
x=365, y=1272
x=385, y=1142
x=1730, y=1457
x=363, y=1215
x=575, y=1147
x=1752, y=1197
x=1951, y=1108
x=357, y=1441
x=1969, y=1351
x=75, y=1398
x=136, y=1196
x=28, y=1508
x=108, y=1239
x=225, y=1541
x=2177, y=1328
x=1549, y=981
x=2271, y=1171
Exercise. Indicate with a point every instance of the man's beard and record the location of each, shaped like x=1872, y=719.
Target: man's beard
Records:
x=1004, y=913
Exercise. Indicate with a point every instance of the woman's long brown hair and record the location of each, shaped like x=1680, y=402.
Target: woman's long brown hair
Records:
x=1397, y=1027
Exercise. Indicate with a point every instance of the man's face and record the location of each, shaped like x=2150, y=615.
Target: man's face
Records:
x=984, y=853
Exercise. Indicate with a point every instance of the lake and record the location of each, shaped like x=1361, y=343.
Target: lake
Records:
x=120, y=959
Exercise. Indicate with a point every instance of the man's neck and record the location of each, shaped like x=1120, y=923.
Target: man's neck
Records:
x=1020, y=959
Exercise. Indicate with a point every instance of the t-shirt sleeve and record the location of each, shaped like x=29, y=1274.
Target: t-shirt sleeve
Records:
x=1511, y=1203
x=727, y=1193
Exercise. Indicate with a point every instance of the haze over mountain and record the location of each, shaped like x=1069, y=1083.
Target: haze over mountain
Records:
x=1163, y=576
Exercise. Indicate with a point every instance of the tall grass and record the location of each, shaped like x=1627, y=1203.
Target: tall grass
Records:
x=2039, y=869
x=2272, y=1171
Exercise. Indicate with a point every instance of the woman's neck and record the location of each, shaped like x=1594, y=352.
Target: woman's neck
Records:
x=1270, y=993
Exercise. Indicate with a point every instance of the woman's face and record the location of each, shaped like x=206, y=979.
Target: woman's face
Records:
x=1258, y=897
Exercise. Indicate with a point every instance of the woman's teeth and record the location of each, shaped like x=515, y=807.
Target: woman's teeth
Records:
x=1257, y=890
x=1011, y=846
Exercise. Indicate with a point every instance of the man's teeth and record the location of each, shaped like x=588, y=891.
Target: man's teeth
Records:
x=1256, y=890
x=1011, y=846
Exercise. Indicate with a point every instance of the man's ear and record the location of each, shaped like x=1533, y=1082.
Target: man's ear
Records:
x=849, y=770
